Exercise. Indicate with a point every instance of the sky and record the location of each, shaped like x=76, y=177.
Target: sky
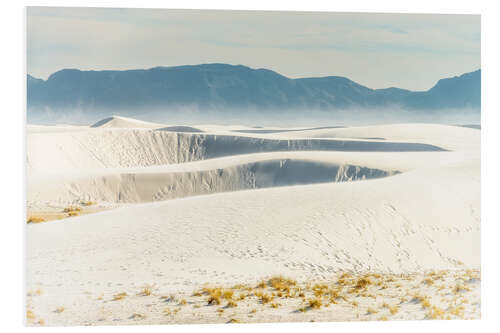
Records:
x=411, y=51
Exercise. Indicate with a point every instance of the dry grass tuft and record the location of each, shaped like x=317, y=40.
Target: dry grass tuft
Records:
x=231, y=304
x=146, y=291
x=315, y=303
x=393, y=309
x=119, y=296
x=435, y=313
x=264, y=298
x=59, y=309
x=137, y=316
x=30, y=315
x=262, y=284
x=213, y=300
x=362, y=283
x=428, y=281
x=458, y=311
x=227, y=294
x=35, y=219
x=424, y=301
x=72, y=209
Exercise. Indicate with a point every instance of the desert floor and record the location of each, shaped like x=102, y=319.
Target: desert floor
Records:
x=140, y=223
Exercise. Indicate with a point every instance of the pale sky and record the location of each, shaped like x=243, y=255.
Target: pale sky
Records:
x=410, y=51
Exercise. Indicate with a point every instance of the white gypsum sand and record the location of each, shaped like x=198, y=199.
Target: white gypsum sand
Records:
x=228, y=205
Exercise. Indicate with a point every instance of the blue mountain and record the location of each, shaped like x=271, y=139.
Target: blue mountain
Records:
x=222, y=87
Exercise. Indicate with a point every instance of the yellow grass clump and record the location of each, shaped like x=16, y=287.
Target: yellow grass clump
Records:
x=435, y=313
x=72, y=209
x=315, y=303
x=30, y=315
x=393, y=309
x=231, y=304
x=119, y=296
x=59, y=309
x=146, y=291
x=35, y=219
x=228, y=294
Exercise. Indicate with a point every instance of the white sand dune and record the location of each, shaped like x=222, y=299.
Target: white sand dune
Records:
x=308, y=204
x=124, y=122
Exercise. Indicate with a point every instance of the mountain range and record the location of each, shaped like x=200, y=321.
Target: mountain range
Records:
x=223, y=87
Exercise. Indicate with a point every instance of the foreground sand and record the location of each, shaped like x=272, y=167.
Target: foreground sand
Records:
x=232, y=205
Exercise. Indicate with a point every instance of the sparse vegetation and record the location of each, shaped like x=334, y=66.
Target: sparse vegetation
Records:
x=119, y=296
x=393, y=309
x=72, y=209
x=30, y=315
x=146, y=291
x=354, y=290
x=35, y=219
x=59, y=309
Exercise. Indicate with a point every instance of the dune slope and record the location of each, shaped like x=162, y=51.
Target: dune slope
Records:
x=305, y=208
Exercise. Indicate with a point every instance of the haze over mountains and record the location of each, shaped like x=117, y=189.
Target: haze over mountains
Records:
x=227, y=90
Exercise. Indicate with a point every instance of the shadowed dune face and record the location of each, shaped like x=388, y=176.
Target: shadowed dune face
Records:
x=124, y=148
x=270, y=131
x=218, y=146
x=185, y=129
x=134, y=187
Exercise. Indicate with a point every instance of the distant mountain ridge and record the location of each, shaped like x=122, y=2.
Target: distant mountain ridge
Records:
x=223, y=87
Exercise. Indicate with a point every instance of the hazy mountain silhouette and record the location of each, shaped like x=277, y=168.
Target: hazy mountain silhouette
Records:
x=223, y=87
